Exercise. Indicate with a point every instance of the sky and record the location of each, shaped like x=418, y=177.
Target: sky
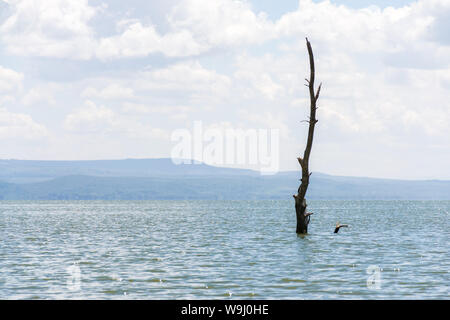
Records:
x=83, y=80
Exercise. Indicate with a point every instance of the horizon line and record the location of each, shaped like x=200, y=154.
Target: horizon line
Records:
x=196, y=162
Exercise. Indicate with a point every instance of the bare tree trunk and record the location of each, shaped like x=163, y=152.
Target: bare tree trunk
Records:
x=300, y=202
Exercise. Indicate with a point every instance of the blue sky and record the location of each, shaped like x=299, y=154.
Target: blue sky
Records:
x=109, y=80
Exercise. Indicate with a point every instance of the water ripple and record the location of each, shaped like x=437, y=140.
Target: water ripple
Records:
x=223, y=250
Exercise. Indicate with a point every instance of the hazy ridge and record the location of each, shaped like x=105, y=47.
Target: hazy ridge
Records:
x=141, y=179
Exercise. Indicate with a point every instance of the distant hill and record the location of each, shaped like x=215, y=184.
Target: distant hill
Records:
x=25, y=171
x=160, y=179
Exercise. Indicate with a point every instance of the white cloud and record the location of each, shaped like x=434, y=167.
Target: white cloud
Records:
x=181, y=74
x=367, y=29
x=93, y=119
x=401, y=35
x=187, y=79
x=38, y=94
x=90, y=118
x=266, y=120
x=259, y=78
x=7, y=99
x=221, y=23
x=112, y=91
x=62, y=28
x=20, y=126
x=139, y=108
x=9, y=79
x=139, y=41
x=51, y=28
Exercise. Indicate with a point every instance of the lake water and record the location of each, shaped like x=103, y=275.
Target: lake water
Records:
x=223, y=250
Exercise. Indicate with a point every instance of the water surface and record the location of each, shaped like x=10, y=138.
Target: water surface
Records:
x=223, y=250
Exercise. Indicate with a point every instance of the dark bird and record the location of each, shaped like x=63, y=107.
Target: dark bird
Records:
x=338, y=226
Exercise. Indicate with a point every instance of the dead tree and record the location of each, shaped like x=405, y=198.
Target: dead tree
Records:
x=303, y=217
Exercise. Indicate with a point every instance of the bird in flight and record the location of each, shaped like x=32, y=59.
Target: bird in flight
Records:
x=338, y=226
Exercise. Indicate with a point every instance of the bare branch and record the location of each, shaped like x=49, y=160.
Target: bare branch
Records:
x=318, y=92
